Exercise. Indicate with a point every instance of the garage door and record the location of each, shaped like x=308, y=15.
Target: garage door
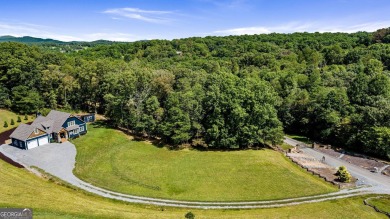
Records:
x=43, y=140
x=32, y=144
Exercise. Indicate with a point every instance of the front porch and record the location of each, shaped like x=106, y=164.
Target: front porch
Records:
x=61, y=137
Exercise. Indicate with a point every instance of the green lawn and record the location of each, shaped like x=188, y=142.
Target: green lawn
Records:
x=21, y=189
x=285, y=146
x=108, y=158
x=300, y=138
x=381, y=203
x=6, y=115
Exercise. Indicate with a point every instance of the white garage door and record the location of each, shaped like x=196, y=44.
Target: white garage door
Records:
x=43, y=140
x=32, y=144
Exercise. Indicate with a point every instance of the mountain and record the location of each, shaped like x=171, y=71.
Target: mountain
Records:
x=28, y=39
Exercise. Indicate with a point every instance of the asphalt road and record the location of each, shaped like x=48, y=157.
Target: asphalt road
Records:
x=377, y=182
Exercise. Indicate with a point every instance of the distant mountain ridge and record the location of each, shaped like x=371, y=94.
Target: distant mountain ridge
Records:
x=36, y=40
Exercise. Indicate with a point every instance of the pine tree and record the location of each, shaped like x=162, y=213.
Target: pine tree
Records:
x=19, y=119
x=5, y=124
x=25, y=117
x=12, y=122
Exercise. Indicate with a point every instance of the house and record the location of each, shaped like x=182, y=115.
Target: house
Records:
x=55, y=127
x=87, y=117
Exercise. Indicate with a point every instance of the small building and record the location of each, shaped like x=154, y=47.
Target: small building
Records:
x=55, y=127
x=87, y=117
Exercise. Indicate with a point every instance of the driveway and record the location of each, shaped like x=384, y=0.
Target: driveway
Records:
x=378, y=183
x=59, y=161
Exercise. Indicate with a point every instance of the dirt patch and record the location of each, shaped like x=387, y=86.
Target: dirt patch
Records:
x=386, y=171
x=328, y=173
x=330, y=152
x=356, y=159
x=363, y=162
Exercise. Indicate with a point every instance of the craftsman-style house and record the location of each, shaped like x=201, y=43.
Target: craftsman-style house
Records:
x=55, y=127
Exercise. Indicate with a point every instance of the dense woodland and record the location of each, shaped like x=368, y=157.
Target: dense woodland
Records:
x=217, y=92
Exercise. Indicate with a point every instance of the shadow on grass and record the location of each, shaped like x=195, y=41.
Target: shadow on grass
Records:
x=160, y=143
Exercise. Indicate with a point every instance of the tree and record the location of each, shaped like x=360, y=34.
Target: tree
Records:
x=25, y=117
x=19, y=119
x=343, y=175
x=5, y=124
x=12, y=122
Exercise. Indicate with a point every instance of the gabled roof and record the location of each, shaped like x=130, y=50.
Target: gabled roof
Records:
x=44, y=123
x=23, y=131
x=59, y=119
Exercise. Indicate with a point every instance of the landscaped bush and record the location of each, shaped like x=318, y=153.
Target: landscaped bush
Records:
x=12, y=122
x=343, y=174
x=5, y=124
x=19, y=119
x=190, y=215
x=25, y=117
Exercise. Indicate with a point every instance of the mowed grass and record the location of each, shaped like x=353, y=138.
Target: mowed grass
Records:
x=108, y=158
x=301, y=138
x=6, y=115
x=382, y=203
x=21, y=189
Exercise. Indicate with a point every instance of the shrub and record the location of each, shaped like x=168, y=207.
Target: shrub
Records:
x=12, y=122
x=5, y=124
x=190, y=215
x=25, y=117
x=19, y=119
x=343, y=174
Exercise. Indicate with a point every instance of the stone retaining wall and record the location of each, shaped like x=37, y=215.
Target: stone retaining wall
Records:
x=374, y=207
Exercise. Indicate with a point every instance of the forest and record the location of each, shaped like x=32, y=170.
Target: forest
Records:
x=232, y=92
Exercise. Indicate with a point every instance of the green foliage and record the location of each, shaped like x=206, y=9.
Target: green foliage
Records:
x=25, y=117
x=221, y=92
x=189, y=215
x=19, y=119
x=5, y=124
x=12, y=122
x=343, y=175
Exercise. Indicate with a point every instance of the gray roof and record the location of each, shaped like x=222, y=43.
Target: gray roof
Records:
x=59, y=119
x=51, y=123
x=22, y=132
x=44, y=123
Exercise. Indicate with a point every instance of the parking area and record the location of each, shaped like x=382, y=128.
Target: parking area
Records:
x=56, y=159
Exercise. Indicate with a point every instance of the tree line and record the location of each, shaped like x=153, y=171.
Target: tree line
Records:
x=217, y=92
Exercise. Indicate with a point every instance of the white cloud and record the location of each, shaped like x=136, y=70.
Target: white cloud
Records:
x=139, y=14
x=305, y=27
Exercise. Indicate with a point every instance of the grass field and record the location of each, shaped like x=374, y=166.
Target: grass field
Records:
x=6, y=115
x=285, y=146
x=381, y=203
x=300, y=138
x=109, y=159
x=21, y=189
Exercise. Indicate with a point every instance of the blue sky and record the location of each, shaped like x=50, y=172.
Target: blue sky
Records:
x=131, y=20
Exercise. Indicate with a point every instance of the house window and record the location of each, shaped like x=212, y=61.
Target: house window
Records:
x=16, y=143
x=81, y=128
x=76, y=131
x=36, y=131
x=71, y=123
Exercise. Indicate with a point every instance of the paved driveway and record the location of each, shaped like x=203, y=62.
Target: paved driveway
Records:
x=56, y=159
x=378, y=182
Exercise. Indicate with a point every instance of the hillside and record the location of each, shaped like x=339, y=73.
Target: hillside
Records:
x=233, y=92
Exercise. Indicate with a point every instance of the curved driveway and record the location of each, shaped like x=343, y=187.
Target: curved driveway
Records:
x=59, y=160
